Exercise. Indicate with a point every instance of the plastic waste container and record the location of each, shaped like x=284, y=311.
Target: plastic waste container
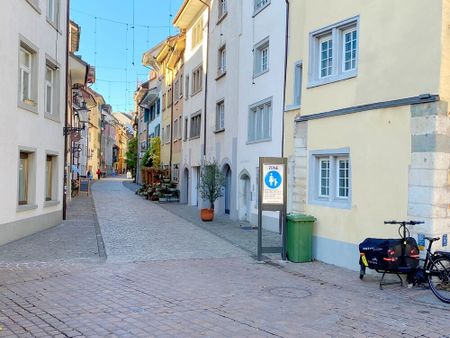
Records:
x=299, y=237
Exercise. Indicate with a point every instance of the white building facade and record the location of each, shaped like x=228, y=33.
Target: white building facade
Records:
x=192, y=18
x=33, y=110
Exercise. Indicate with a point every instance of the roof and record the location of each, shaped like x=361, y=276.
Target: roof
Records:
x=188, y=11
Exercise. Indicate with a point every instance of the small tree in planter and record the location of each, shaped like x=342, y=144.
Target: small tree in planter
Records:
x=210, y=187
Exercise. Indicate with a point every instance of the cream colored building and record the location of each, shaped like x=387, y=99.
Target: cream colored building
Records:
x=370, y=84
x=33, y=104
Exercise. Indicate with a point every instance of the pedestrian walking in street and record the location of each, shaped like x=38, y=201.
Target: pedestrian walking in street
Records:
x=89, y=175
x=99, y=173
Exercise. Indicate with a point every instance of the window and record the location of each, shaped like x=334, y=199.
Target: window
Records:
x=220, y=115
x=222, y=8
x=175, y=129
x=176, y=89
x=49, y=90
x=260, y=122
x=330, y=178
x=222, y=61
x=197, y=79
x=24, y=178
x=197, y=33
x=187, y=87
x=260, y=5
x=298, y=83
x=180, y=90
x=175, y=172
x=157, y=130
x=195, y=125
x=51, y=166
x=52, y=12
x=324, y=180
x=167, y=135
x=27, y=77
x=334, y=53
x=342, y=178
x=261, y=58
x=185, y=128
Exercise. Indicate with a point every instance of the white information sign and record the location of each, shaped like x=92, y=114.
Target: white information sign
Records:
x=272, y=192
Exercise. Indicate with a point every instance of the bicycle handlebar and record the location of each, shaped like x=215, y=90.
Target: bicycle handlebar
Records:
x=404, y=222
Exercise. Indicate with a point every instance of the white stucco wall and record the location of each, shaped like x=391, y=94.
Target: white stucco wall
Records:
x=29, y=129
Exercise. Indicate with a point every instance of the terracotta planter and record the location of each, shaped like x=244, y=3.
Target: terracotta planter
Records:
x=207, y=215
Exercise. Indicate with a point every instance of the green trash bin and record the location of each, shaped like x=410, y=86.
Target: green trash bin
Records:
x=299, y=237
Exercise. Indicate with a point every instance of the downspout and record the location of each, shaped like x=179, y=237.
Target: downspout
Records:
x=206, y=78
x=64, y=211
x=286, y=45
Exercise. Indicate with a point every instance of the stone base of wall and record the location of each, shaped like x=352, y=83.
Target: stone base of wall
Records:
x=429, y=172
x=15, y=230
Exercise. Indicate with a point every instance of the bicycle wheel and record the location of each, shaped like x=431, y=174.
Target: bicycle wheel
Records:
x=439, y=278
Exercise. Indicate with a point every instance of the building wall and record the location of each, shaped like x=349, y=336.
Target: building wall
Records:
x=398, y=157
x=30, y=130
x=192, y=148
x=256, y=89
x=177, y=115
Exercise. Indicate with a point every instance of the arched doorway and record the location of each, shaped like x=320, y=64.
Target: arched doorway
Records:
x=244, y=197
x=227, y=188
x=184, y=198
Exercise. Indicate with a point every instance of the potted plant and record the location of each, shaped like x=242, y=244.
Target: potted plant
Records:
x=210, y=187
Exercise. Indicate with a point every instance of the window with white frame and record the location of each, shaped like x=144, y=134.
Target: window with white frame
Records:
x=220, y=115
x=179, y=128
x=334, y=53
x=197, y=33
x=330, y=178
x=298, y=76
x=222, y=8
x=52, y=12
x=260, y=122
x=186, y=90
x=261, y=57
x=195, y=125
x=197, y=80
x=27, y=74
x=49, y=90
x=222, y=61
x=260, y=5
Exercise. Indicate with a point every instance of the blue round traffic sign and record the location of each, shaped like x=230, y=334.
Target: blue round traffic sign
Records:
x=273, y=179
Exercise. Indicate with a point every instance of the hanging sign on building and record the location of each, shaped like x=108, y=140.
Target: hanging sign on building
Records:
x=273, y=176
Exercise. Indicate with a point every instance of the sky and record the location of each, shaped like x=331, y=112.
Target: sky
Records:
x=112, y=43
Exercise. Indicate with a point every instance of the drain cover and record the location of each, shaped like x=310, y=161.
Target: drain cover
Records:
x=289, y=292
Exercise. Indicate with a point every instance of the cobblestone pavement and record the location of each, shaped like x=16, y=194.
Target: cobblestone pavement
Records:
x=135, y=230
x=73, y=240
x=240, y=234
x=216, y=294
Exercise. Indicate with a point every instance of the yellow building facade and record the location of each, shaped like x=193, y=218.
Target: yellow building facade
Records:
x=366, y=120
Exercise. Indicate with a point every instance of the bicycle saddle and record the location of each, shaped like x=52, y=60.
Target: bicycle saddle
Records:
x=432, y=239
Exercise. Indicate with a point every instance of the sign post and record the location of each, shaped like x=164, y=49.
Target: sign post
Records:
x=272, y=197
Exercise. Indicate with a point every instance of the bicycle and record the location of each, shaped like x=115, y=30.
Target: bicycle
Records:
x=435, y=268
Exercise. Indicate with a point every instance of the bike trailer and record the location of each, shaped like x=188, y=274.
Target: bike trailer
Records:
x=386, y=254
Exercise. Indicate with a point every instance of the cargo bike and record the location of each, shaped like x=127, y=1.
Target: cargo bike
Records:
x=402, y=257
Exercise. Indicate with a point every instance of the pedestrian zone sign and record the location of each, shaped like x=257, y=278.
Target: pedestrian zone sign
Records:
x=273, y=184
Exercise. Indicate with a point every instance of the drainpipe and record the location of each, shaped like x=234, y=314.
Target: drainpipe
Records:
x=286, y=45
x=64, y=210
x=206, y=78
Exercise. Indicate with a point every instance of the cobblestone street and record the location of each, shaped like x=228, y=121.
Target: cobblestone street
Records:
x=166, y=276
